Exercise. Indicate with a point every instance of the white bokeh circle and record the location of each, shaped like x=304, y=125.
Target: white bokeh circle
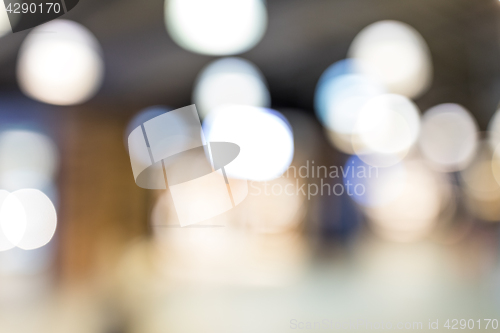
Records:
x=28, y=219
x=449, y=137
x=232, y=81
x=216, y=27
x=264, y=136
x=396, y=54
x=60, y=63
x=387, y=125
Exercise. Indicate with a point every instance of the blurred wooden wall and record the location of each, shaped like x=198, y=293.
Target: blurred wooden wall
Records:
x=101, y=208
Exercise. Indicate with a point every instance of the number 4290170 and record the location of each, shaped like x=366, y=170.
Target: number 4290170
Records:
x=455, y=324
x=33, y=8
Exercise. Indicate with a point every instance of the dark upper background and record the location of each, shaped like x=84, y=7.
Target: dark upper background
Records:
x=145, y=67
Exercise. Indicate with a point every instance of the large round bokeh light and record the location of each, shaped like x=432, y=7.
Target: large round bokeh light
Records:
x=28, y=219
x=396, y=54
x=388, y=124
x=230, y=81
x=341, y=93
x=216, y=27
x=449, y=137
x=60, y=63
x=4, y=22
x=264, y=137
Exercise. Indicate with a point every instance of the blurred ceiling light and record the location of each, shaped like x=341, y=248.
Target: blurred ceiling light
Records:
x=388, y=125
x=413, y=213
x=5, y=27
x=340, y=95
x=28, y=219
x=41, y=219
x=216, y=27
x=232, y=81
x=449, y=137
x=60, y=63
x=27, y=160
x=395, y=53
x=263, y=135
x=13, y=220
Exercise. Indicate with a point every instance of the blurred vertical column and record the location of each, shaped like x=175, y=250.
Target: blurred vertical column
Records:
x=102, y=208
